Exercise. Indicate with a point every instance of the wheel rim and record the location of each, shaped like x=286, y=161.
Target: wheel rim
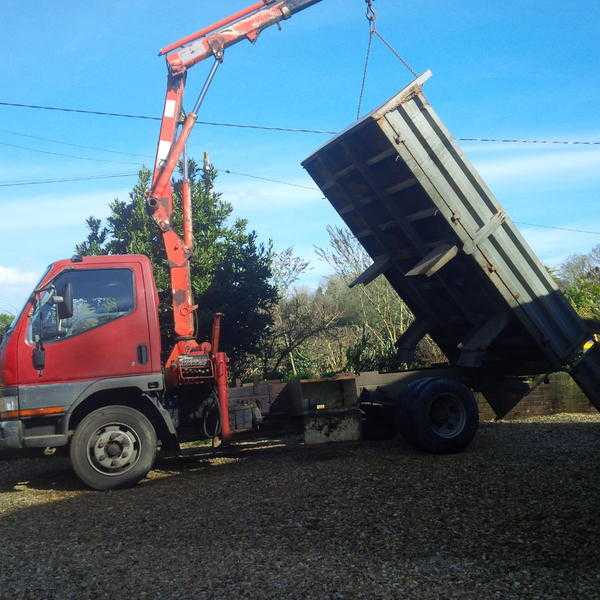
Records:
x=114, y=449
x=448, y=415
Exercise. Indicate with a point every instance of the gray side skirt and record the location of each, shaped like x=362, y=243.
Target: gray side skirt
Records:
x=71, y=394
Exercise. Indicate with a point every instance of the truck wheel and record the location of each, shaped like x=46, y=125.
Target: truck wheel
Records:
x=438, y=415
x=113, y=447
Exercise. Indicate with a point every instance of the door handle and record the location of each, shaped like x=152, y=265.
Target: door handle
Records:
x=142, y=354
x=39, y=357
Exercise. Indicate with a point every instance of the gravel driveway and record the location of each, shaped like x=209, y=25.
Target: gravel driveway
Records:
x=514, y=517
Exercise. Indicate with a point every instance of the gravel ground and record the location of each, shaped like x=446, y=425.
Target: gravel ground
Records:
x=513, y=517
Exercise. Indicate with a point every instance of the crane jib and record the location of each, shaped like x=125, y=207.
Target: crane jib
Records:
x=295, y=6
x=187, y=362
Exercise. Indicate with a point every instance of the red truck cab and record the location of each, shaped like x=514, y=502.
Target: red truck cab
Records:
x=54, y=371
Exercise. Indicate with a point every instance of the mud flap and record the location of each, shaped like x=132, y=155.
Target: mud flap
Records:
x=586, y=375
x=504, y=394
x=338, y=425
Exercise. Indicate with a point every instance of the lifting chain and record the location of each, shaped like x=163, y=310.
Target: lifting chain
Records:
x=371, y=16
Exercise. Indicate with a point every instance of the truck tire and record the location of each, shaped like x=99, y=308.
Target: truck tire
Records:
x=113, y=447
x=438, y=415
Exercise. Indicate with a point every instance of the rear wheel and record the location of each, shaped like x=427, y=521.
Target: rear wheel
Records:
x=113, y=447
x=439, y=416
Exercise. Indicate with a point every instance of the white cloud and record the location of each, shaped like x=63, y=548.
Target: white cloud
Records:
x=11, y=276
x=553, y=246
x=15, y=285
x=51, y=211
x=259, y=196
x=563, y=164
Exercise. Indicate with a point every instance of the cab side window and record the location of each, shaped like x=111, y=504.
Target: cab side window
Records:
x=99, y=297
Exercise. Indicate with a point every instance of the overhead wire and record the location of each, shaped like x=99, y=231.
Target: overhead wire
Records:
x=63, y=143
x=153, y=118
x=63, y=179
x=282, y=129
x=259, y=178
x=373, y=31
x=62, y=155
x=532, y=141
x=570, y=229
x=79, y=110
x=271, y=180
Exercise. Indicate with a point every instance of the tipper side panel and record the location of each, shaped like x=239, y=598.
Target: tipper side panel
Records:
x=436, y=231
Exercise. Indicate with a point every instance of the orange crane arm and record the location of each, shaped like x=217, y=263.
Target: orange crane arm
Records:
x=246, y=24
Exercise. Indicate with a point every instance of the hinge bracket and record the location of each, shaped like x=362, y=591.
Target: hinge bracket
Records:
x=485, y=232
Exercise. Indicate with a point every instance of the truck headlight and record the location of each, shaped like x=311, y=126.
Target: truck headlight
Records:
x=9, y=407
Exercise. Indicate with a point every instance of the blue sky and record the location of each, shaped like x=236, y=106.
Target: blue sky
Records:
x=501, y=69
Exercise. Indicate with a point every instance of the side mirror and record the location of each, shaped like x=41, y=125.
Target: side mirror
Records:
x=64, y=302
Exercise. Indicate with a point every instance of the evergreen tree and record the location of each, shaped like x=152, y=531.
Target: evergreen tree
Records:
x=5, y=321
x=230, y=269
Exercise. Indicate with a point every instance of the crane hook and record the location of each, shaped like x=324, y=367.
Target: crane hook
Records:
x=371, y=14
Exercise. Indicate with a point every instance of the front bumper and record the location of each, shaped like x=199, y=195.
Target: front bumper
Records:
x=11, y=434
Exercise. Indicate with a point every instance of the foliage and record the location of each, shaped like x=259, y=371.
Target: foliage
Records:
x=580, y=279
x=5, y=321
x=299, y=317
x=287, y=269
x=230, y=270
x=580, y=266
x=273, y=328
x=584, y=295
x=335, y=328
x=376, y=315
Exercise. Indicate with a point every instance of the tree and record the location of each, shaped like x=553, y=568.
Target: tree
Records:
x=240, y=289
x=579, y=277
x=5, y=321
x=584, y=295
x=578, y=266
x=378, y=316
x=94, y=244
x=299, y=317
x=230, y=269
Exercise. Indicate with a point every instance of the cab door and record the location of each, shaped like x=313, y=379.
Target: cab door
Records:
x=106, y=336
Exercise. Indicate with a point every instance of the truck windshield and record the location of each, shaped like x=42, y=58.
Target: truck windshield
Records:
x=20, y=312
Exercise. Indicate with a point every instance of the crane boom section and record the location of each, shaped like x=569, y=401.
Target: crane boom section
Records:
x=175, y=129
x=247, y=28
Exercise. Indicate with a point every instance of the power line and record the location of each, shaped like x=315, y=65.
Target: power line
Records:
x=92, y=177
x=522, y=141
x=60, y=154
x=64, y=180
x=79, y=110
x=269, y=128
x=260, y=178
x=286, y=129
x=152, y=118
x=53, y=141
x=559, y=228
x=270, y=180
